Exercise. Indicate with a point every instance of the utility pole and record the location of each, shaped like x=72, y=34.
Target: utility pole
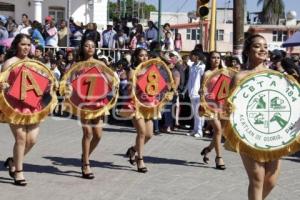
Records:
x=119, y=8
x=124, y=9
x=212, y=32
x=238, y=27
x=69, y=16
x=159, y=20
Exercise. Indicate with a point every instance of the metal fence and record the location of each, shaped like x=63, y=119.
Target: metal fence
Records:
x=112, y=54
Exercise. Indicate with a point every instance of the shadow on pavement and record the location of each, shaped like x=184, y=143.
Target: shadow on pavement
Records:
x=294, y=157
x=122, y=130
x=61, y=161
x=50, y=170
x=157, y=160
x=6, y=180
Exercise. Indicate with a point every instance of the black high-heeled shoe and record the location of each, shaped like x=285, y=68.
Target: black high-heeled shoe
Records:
x=141, y=169
x=8, y=166
x=86, y=175
x=218, y=166
x=204, y=153
x=131, y=155
x=21, y=182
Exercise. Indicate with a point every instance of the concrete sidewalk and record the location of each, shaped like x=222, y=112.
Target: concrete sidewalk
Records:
x=176, y=170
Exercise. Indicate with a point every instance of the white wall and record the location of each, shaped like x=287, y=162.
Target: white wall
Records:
x=21, y=6
x=226, y=44
x=79, y=10
x=169, y=17
x=100, y=13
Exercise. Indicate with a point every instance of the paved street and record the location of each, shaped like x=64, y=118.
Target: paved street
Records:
x=176, y=171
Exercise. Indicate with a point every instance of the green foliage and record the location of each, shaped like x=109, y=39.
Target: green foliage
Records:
x=131, y=9
x=112, y=10
x=148, y=9
x=272, y=11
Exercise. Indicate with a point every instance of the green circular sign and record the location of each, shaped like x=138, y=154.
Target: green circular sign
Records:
x=266, y=112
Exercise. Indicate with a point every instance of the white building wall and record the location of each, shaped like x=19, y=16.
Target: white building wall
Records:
x=21, y=6
x=182, y=18
x=101, y=13
x=169, y=17
x=187, y=45
x=79, y=10
x=226, y=44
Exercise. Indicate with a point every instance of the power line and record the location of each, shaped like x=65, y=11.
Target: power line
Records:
x=179, y=9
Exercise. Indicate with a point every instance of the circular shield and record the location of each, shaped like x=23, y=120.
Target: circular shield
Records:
x=90, y=88
x=153, y=87
x=215, y=92
x=31, y=94
x=265, y=122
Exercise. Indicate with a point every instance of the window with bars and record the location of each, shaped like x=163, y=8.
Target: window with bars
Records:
x=279, y=36
x=220, y=35
x=192, y=34
x=57, y=13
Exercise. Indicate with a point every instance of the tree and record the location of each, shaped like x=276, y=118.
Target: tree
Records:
x=272, y=11
x=148, y=9
x=132, y=8
x=238, y=27
x=113, y=10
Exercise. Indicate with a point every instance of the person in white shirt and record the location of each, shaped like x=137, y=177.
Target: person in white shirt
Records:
x=108, y=37
x=54, y=68
x=25, y=27
x=193, y=86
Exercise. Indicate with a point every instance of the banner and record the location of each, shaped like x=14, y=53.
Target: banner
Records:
x=265, y=122
x=31, y=94
x=93, y=89
x=215, y=90
x=153, y=87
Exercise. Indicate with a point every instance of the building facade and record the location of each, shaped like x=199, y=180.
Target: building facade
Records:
x=189, y=28
x=84, y=11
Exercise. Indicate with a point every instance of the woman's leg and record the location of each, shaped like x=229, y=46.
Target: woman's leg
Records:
x=31, y=137
x=97, y=133
x=19, y=132
x=256, y=173
x=86, y=141
x=272, y=170
x=140, y=126
x=217, y=137
x=149, y=130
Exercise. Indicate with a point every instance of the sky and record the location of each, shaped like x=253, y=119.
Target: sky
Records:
x=190, y=5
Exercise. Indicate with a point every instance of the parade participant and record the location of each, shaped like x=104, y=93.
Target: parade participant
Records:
x=25, y=134
x=213, y=65
x=88, y=104
x=144, y=127
x=92, y=129
x=152, y=87
x=262, y=175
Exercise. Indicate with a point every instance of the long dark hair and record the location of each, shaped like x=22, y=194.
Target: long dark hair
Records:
x=135, y=57
x=13, y=50
x=208, y=64
x=247, y=45
x=37, y=25
x=81, y=49
x=291, y=68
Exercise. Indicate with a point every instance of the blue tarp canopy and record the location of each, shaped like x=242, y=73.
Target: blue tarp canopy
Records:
x=292, y=41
